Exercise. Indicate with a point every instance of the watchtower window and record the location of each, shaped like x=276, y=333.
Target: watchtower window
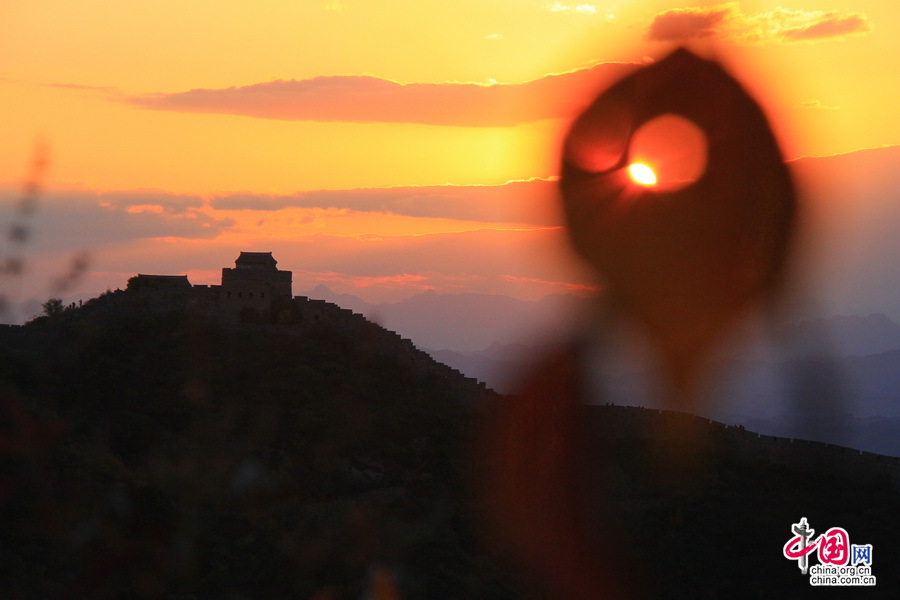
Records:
x=262, y=294
x=240, y=294
x=251, y=294
x=228, y=294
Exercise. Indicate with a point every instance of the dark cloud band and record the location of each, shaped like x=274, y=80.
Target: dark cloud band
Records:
x=513, y=202
x=780, y=25
x=370, y=99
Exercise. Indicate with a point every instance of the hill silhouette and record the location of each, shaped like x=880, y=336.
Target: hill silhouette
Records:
x=154, y=452
x=150, y=451
x=706, y=508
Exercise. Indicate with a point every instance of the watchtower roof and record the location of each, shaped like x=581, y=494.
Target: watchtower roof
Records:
x=256, y=260
x=145, y=281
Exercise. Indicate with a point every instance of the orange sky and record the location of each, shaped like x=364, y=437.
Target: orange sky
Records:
x=156, y=113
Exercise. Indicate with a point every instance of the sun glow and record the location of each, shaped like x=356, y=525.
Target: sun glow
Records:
x=675, y=146
x=642, y=174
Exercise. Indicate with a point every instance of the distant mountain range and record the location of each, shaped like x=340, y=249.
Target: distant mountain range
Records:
x=845, y=368
x=852, y=335
x=466, y=322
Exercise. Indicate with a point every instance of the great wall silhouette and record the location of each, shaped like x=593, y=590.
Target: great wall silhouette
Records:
x=253, y=294
x=256, y=295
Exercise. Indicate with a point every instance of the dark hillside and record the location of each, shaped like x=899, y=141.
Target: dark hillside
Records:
x=705, y=508
x=155, y=452
x=162, y=452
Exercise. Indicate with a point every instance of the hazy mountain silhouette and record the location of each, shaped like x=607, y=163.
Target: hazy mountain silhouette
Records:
x=499, y=365
x=349, y=301
x=868, y=379
x=858, y=348
x=843, y=335
x=462, y=322
x=851, y=242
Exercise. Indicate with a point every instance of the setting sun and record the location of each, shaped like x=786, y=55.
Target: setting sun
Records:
x=642, y=174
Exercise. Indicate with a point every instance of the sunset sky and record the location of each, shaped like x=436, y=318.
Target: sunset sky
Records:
x=381, y=148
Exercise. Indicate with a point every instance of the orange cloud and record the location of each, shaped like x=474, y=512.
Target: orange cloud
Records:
x=473, y=256
x=816, y=104
x=417, y=282
x=140, y=208
x=485, y=261
x=681, y=24
x=581, y=289
x=162, y=201
x=584, y=9
x=76, y=219
x=365, y=99
x=822, y=25
x=529, y=201
x=780, y=25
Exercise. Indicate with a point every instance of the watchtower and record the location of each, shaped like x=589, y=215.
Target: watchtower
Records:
x=254, y=283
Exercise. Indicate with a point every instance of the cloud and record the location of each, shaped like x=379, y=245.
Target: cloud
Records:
x=821, y=25
x=585, y=9
x=166, y=202
x=817, y=105
x=104, y=89
x=777, y=26
x=153, y=231
x=530, y=201
x=366, y=99
x=76, y=219
x=685, y=23
x=579, y=288
x=399, y=281
x=481, y=257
